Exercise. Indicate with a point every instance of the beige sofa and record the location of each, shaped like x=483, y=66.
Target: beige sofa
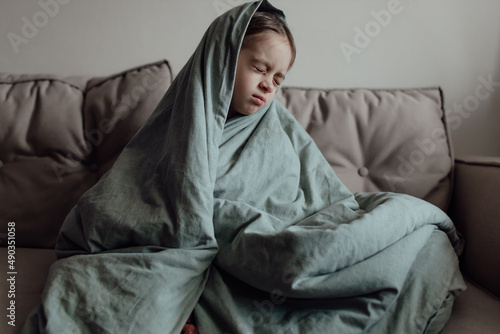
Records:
x=58, y=136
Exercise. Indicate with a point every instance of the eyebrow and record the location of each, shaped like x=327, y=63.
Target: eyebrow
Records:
x=266, y=64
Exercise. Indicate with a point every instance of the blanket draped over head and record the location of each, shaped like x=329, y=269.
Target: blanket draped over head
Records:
x=245, y=223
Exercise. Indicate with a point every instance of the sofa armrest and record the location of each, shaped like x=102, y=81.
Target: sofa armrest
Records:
x=475, y=209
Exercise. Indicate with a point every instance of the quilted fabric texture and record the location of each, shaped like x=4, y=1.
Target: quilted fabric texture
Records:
x=58, y=136
x=380, y=139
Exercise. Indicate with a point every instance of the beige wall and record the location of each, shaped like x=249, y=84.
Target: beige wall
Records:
x=454, y=44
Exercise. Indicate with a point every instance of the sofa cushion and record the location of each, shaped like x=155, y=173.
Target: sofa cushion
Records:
x=117, y=106
x=59, y=135
x=380, y=139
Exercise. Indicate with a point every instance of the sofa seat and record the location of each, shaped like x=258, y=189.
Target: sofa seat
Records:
x=474, y=311
x=32, y=267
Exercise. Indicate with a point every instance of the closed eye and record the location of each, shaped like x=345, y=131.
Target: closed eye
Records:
x=261, y=70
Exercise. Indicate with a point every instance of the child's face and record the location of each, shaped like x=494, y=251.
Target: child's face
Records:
x=262, y=65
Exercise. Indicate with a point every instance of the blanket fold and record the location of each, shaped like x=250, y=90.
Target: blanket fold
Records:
x=245, y=222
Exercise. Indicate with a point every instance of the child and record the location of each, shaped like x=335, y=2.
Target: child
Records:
x=266, y=55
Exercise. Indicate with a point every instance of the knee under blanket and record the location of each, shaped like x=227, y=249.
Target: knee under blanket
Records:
x=246, y=223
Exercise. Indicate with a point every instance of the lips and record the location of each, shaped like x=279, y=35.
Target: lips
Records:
x=259, y=99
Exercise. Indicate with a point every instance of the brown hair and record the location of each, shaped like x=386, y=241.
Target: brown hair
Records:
x=262, y=21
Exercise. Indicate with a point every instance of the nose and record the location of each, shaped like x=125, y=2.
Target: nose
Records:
x=266, y=85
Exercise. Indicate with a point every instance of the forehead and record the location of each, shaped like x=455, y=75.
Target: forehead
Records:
x=270, y=45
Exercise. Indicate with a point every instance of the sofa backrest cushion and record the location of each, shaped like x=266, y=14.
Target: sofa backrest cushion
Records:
x=380, y=139
x=58, y=136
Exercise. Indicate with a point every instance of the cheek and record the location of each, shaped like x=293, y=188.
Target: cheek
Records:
x=271, y=97
x=244, y=83
x=239, y=79
x=238, y=86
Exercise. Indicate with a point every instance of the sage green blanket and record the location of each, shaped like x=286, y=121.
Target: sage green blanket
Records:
x=246, y=223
